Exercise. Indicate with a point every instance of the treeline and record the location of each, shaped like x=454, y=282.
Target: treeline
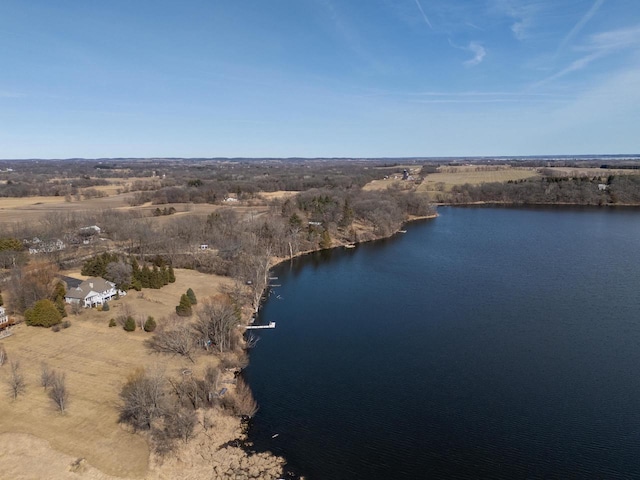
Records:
x=621, y=189
x=127, y=274
x=25, y=184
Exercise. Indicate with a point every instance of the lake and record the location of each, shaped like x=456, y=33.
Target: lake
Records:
x=489, y=342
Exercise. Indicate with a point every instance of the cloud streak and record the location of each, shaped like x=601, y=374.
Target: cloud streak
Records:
x=598, y=46
x=580, y=25
x=424, y=15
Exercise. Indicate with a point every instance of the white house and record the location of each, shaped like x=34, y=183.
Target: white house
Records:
x=92, y=292
x=3, y=315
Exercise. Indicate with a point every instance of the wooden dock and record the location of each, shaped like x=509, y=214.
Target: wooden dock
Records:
x=258, y=327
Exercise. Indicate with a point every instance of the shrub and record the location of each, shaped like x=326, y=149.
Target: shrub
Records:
x=66, y=324
x=56, y=328
x=112, y=322
x=192, y=297
x=43, y=314
x=150, y=325
x=105, y=307
x=129, y=324
x=184, y=309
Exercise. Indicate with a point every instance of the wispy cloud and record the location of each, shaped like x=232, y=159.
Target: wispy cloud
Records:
x=522, y=14
x=479, y=53
x=580, y=25
x=598, y=46
x=424, y=15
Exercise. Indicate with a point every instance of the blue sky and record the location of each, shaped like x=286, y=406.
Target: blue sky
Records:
x=347, y=78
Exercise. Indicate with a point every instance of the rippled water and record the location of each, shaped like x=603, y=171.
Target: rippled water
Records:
x=492, y=343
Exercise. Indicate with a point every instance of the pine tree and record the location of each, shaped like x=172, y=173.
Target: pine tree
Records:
x=325, y=241
x=43, y=314
x=1, y=300
x=145, y=277
x=60, y=306
x=105, y=307
x=156, y=278
x=164, y=273
x=172, y=275
x=129, y=324
x=192, y=297
x=59, y=291
x=184, y=309
x=135, y=269
x=150, y=325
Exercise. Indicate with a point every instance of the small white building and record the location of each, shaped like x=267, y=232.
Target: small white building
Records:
x=92, y=292
x=3, y=315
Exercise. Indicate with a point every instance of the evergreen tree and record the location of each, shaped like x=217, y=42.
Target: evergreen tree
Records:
x=43, y=314
x=164, y=273
x=325, y=241
x=145, y=277
x=1, y=300
x=156, y=278
x=184, y=308
x=135, y=269
x=105, y=307
x=172, y=275
x=129, y=324
x=150, y=325
x=59, y=291
x=192, y=297
x=60, y=306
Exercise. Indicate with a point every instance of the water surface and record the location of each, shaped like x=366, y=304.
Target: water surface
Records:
x=494, y=343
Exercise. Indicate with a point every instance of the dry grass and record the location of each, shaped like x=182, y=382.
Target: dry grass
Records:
x=96, y=360
x=281, y=194
x=444, y=181
x=394, y=178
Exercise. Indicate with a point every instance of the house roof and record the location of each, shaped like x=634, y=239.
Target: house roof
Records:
x=70, y=281
x=94, y=284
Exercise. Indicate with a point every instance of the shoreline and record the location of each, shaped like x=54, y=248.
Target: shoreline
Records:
x=247, y=319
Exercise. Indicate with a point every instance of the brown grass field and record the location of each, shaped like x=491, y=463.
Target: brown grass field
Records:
x=96, y=360
x=445, y=180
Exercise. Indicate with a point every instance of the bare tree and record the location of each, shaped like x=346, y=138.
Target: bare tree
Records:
x=120, y=274
x=31, y=283
x=176, y=338
x=46, y=376
x=243, y=401
x=218, y=323
x=58, y=392
x=15, y=382
x=144, y=399
x=181, y=422
x=3, y=355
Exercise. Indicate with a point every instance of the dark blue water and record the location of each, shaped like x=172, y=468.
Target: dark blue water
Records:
x=490, y=343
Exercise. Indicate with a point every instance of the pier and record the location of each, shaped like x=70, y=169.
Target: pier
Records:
x=258, y=327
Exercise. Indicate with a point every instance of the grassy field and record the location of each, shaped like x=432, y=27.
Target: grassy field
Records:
x=451, y=176
x=96, y=360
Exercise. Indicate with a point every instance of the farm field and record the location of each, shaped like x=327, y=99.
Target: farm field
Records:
x=449, y=177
